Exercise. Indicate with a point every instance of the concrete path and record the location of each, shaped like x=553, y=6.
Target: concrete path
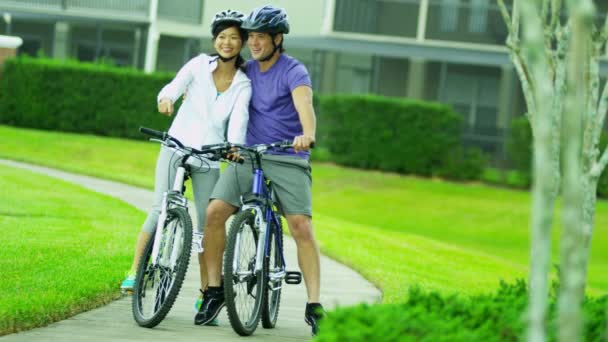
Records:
x=340, y=286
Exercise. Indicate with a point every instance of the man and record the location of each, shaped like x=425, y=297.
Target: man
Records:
x=281, y=108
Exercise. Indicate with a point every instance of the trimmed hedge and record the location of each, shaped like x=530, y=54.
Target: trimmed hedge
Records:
x=430, y=316
x=519, y=152
x=397, y=135
x=369, y=132
x=80, y=97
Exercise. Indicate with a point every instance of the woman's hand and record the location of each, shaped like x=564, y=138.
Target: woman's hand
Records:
x=165, y=106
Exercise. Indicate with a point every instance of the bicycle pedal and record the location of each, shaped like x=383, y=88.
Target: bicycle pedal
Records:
x=293, y=277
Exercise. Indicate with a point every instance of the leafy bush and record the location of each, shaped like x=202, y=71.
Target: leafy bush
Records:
x=519, y=151
x=430, y=316
x=79, y=97
x=404, y=136
x=519, y=148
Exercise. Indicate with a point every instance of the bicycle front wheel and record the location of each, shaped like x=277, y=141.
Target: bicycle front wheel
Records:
x=272, y=295
x=158, y=281
x=243, y=286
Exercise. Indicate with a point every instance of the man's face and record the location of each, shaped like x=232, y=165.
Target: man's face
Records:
x=260, y=44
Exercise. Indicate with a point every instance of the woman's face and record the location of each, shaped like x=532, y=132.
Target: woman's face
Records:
x=228, y=42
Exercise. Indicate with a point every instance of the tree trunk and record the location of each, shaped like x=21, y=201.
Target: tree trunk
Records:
x=542, y=93
x=572, y=281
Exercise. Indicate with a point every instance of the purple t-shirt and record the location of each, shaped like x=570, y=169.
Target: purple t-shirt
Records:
x=272, y=113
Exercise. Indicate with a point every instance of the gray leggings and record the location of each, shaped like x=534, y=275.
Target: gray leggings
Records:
x=203, y=182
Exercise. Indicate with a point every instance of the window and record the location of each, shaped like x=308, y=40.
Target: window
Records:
x=116, y=55
x=30, y=47
x=479, y=16
x=449, y=15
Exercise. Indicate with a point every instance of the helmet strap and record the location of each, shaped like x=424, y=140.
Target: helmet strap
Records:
x=274, y=50
x=224, y=59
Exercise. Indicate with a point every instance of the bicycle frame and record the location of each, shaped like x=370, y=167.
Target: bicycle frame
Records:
x=264, y=220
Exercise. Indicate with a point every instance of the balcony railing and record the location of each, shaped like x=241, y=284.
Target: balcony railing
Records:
x=184, y=11
x=473, y=21
x=383, y=17
x=112, y=9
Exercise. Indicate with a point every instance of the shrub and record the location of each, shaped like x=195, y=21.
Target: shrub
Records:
x=79, y=97
x=519, y=151
x=404, y=136
x=519, y=148
x=430, y=316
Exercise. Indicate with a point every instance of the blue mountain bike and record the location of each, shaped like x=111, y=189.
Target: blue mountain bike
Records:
x=254, y=265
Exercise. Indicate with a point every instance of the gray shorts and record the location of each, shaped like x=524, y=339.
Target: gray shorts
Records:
x=203, y=182
x=290, y=176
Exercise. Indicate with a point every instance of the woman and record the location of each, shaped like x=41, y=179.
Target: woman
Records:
x=215, y=109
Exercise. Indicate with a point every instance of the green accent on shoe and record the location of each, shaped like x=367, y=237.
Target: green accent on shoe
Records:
x=197, y=306
x=128, y=283
x=214, y=323
x=198, y=303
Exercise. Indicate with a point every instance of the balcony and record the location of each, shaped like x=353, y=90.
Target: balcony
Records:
x=471, y=21
x=382, y=17
x=182, y=11
x=112, y=10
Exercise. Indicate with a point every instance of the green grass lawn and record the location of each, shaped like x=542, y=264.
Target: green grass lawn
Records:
x=63, y=249
x=396, y=230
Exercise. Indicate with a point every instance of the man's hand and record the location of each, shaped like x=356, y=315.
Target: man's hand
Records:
x=303, y=142
x=234, y=155
x=165, y=106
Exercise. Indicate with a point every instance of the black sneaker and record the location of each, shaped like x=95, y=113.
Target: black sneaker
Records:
x=313, y=316
x=213, y=302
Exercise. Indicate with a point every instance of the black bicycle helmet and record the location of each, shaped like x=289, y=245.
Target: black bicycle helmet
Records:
x=268, y=19
x=227, y=17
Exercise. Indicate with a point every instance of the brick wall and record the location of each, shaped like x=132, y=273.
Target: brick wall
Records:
x=6, y=53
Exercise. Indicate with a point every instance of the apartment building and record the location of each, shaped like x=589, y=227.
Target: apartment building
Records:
x=450, y=51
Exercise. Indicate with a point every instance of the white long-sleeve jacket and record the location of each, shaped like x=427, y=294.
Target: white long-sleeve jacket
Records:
x=205, y=117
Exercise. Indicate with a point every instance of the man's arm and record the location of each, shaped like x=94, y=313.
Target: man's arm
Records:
x=302, y=99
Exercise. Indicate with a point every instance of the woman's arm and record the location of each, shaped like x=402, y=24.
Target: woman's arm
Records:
x=180, y=82
x=239, y=118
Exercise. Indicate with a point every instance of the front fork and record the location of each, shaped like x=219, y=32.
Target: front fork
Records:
x=275, y=276
x=173, y=197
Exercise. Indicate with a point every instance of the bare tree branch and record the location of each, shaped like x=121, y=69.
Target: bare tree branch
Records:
x=556, y=9
x=598, y=167
x=544, y=12
x=505, y=16
x=590, y=119
x=526, y=84
x=604, y=33
x=515, y=19
x=512, y=23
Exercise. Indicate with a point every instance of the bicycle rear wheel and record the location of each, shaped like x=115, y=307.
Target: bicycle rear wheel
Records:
x=272, y=294
x=157, y=284
x=243, y=286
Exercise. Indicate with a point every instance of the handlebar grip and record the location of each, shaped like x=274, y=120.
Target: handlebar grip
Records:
x=312, y=145
x=152, y=132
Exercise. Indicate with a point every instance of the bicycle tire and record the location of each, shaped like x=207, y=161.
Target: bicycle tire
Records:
x=163, y=305
x=272, y=298
x=236, y=290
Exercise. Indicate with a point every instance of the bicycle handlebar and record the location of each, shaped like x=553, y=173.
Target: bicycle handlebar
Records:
x=218, y=151
x=223, y=149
